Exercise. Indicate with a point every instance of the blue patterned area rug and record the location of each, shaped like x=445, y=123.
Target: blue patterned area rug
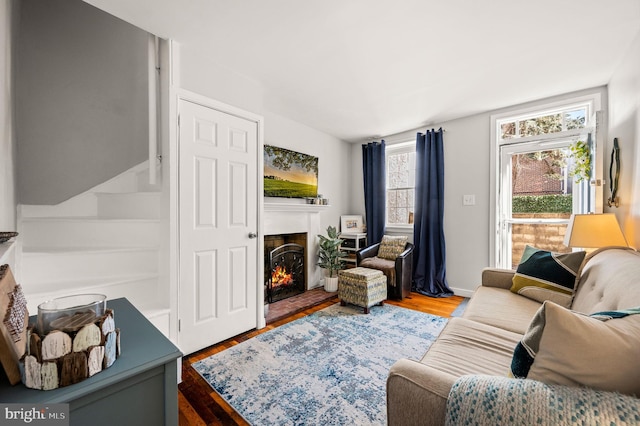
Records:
x=460, y=309
x=327, y=368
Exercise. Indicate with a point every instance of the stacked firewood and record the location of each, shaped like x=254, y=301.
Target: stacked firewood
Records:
x=80, y=346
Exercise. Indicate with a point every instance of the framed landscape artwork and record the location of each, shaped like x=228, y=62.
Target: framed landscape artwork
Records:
x=289, y=173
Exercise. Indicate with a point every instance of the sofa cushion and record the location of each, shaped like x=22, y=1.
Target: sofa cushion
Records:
x=568, y=348
x=609, y=281
x=469, y=347
x=391, y=246
x=544, y=275
x=501, y=308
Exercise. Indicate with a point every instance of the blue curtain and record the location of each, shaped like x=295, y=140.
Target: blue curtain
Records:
x=373, y=166
x=429, y=258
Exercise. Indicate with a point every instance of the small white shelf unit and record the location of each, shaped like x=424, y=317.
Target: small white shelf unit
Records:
x=353, y=243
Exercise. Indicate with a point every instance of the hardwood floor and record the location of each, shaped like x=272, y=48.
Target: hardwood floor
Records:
x=200, y=405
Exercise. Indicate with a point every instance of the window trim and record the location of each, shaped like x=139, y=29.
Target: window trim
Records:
x=504, y=246
x=401, y=147
x=557, y=109
x=594, y=98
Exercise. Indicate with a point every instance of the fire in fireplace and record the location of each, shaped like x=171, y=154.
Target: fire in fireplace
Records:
x=280, y=276
x=285, y=270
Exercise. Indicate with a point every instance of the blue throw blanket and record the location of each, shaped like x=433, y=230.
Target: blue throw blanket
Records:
x=490, y=400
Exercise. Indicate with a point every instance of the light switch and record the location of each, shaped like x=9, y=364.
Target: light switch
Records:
x=468, y=200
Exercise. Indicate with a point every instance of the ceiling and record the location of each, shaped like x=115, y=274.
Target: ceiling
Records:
x=358, y=69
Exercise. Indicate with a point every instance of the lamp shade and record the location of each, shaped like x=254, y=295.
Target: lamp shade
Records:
x=594, y=231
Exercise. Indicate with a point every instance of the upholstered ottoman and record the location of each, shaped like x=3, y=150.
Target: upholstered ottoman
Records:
x=362, y=287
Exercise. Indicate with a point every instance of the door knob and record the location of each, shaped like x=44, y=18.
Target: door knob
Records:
x=253, y=235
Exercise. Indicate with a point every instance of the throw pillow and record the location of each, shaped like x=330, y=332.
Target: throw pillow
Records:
x=544, y=275
x=568, y=348
x=391, y=246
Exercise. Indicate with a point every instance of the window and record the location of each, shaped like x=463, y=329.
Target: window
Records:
x=534, y=190
x=401, y=182
x=544, y=123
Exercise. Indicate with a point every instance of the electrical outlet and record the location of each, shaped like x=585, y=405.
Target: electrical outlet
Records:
x=468, y=200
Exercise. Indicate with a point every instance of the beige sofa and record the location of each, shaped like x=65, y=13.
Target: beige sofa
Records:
x=482, y=341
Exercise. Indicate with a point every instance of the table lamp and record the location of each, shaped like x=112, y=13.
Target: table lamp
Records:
x=592, y=231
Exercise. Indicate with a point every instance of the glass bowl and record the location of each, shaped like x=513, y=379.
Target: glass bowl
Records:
x=70, y=313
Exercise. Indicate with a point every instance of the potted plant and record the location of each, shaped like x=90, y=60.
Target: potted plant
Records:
x=331, y=258
x=581, y=154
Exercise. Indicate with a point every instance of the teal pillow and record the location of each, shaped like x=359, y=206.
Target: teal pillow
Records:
x=544, y=275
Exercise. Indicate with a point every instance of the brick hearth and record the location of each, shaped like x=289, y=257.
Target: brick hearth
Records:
x=292, y=305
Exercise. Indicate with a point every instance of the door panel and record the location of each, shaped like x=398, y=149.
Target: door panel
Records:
x=536, y=170
x=205, y=284
x=238, y=297
x=205, y=197
x=218, y=204
x=238, y=203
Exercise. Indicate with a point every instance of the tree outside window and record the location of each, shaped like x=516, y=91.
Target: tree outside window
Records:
x=543, y=124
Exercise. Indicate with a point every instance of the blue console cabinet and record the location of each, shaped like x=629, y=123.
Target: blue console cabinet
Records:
x=140, y=388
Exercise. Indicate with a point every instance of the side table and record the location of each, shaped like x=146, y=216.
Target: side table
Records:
x=140, y=388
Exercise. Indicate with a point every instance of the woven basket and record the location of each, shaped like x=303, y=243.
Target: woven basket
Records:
x=6, y=236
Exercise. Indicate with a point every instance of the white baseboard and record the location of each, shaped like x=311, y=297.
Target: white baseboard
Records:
x=463, y=292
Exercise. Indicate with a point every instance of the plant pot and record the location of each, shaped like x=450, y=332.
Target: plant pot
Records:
x=331, y=284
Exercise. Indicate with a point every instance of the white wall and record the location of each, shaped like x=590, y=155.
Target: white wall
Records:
x=466, y=228
x=624, y=124
x=467, y=164
x=334, y=160
x=81, y=99
x=467, y=150
x=200, y=73
x=7, y=136
x=356, y=197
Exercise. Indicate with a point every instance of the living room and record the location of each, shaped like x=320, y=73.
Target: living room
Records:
x=467, y=148
x=468, y=140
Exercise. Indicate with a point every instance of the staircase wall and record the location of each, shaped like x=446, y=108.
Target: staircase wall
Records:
x=81, y=99
x=107, y=240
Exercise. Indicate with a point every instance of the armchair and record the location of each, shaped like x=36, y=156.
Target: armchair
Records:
x=398, y=271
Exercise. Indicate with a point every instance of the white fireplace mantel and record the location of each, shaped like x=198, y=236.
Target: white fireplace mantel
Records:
x=289, y=218
x=291, y=207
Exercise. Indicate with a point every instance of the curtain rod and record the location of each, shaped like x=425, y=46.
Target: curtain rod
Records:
x=397, y=137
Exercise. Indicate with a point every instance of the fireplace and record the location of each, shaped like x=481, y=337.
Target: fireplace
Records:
x=285, y=266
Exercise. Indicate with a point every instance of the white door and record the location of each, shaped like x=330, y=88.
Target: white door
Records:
x=218, y=210
x=545, y=166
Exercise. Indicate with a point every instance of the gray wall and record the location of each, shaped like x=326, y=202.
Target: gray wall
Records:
x=81, y=99
x=467, y=151
x=624, y=124
x=7, y=137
